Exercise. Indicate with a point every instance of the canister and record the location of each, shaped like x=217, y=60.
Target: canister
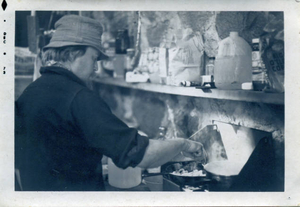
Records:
x=123, y=178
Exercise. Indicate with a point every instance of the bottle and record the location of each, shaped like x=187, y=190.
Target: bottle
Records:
x=163, y=65
x=119, y=61
x=122, y=41
x=210, y=66
x=258, y=67
x=233, y=64
x=129, y=56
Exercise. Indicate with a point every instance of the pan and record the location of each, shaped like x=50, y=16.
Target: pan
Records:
x=223, y=173
x=183, y=173
x=186, y=172
x=219, y=175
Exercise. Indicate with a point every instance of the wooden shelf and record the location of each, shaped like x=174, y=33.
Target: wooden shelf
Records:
x=235, y=95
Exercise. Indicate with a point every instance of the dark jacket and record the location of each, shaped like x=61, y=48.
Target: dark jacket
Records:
x=62, y=129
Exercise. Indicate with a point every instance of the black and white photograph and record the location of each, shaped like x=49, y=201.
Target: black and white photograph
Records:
x=150, y=104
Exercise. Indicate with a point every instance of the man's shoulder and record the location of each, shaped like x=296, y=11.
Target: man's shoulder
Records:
x=59, y=82
x=54, y=87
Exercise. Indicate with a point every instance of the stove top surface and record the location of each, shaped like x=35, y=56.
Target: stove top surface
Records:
x=170, y=184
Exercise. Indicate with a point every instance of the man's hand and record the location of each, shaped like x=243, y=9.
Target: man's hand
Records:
x=195, y=151
x=160, y=152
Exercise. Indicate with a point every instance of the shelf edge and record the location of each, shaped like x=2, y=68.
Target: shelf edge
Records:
x=235, y=95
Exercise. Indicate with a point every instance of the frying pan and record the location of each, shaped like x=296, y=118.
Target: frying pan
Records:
x=182, y=179
x=223, y=173
x=220, y=175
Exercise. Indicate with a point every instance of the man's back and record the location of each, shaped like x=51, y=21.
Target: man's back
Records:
x=48, y=144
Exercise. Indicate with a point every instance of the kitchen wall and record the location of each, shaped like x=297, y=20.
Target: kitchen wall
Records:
x=184, y=115
x=169, y=26
x=162, y=28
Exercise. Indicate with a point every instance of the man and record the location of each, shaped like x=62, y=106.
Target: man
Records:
x=63, y=129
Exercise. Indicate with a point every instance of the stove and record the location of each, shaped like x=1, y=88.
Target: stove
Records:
x=169, y=185
x=258, y=174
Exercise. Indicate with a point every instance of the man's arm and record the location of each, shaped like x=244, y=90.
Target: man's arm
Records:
x=160, y=152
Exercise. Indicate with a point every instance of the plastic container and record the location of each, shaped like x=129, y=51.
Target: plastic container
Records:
x=233, y=64
x=119, y=178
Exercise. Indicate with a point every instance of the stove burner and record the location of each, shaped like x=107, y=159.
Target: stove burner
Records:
x=203, y=188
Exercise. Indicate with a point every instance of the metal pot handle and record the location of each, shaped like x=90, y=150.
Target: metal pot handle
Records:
x=146, y=174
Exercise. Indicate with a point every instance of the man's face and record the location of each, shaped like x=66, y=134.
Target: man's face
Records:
x=84, y=66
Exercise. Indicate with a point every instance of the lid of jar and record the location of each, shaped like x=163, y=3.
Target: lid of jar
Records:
x=234, y=34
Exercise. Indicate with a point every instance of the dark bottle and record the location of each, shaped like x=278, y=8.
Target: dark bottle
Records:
x=122, y=41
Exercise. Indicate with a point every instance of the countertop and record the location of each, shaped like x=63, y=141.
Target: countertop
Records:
x=141, y=187
x=154, y=183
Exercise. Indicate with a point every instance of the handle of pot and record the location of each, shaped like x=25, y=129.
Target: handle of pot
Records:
x=146, y=174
